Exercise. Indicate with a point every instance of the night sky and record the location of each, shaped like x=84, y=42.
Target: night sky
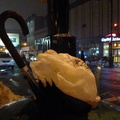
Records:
x=24, y=7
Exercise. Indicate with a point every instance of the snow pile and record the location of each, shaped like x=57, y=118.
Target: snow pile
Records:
x=6, y=95
x=70, y=74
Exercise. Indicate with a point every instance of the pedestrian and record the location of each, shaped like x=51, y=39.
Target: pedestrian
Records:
x=82, y=55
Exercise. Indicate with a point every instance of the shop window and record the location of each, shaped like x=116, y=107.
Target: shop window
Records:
x=105, y=53
x=106, y=46
x=118, y=52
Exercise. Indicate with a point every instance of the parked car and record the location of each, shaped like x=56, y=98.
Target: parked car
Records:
x=6, y=60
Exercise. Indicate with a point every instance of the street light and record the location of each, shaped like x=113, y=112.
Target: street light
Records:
x=115, y=25
x=24, y=44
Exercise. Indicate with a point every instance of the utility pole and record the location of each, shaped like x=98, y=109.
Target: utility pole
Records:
x=110, y=43
x=58, y=27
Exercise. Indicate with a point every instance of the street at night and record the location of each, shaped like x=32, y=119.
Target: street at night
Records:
x=53, y=85
x=14, y=79
x=109, y=83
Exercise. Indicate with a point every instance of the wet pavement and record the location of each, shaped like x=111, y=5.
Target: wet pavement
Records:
x=109, y=84
x=28, y=109
x=14, y=79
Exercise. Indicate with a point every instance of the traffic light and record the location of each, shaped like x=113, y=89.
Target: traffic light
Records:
x=115, y=26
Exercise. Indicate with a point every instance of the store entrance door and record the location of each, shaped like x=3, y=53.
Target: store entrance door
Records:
x=116, y=55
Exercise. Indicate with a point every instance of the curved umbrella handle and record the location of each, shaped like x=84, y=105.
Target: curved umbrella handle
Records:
x=3, y=17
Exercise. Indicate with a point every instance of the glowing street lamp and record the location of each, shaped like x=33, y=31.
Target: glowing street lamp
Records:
x=24, y=44
x=115, y=24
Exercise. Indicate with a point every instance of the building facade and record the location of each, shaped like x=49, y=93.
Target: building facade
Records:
x=37, y=26
x=92, y=22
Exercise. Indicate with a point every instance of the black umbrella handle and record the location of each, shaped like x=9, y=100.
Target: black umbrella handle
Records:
x=14, y=53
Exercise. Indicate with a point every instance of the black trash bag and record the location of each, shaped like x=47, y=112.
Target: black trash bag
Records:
x=53, y=99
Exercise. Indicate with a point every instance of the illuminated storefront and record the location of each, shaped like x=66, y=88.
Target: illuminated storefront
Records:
x=14, y=37
x=91, y=49
x=115, y=47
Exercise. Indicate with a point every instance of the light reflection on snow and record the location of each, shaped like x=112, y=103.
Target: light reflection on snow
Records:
x=14, y=82
x=16, y=101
